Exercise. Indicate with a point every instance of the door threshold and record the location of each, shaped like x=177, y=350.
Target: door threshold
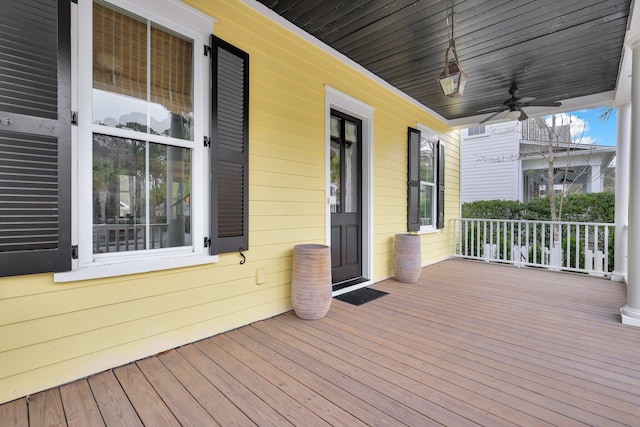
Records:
x=348, y=283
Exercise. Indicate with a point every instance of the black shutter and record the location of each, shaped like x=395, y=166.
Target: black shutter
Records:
x=413, y=191
x=35, y=137
x=229, y=153
x=440, y=184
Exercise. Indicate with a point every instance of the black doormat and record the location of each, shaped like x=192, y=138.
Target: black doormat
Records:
x=360, y=296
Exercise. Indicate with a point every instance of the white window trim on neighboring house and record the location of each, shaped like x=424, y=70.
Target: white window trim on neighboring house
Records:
x=194, y=25
x=478, y=135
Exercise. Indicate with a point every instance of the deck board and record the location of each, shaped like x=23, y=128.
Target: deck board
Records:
x=45, y=409
x=471, y=343
x=80, y=407
x=251, y=405
x=184, y=407
x=150, y=407
x=115, y=407
x=14, y=413
x=212, y=399
x=289, y=408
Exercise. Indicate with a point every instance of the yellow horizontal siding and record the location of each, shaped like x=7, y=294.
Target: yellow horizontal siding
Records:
x=53, y=333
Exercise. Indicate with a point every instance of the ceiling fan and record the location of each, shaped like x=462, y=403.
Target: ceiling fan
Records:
x=515, y=105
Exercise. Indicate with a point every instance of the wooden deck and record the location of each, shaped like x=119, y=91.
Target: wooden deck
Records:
x=470, y=344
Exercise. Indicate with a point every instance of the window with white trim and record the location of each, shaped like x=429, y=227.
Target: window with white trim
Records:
x=143, y=140
x=426, y=190
x=151, y=162
x=476, y=130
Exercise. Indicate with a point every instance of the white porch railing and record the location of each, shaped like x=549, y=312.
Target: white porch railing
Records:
x=572, y=246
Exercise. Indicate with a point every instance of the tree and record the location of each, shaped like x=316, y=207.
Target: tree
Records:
x=558, y=137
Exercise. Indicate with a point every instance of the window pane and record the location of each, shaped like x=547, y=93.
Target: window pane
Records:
x=171, y=84
x=476, y=130
x=169, y=196
x=426, y=204
x=118, y=194
x=123, y=96
x=120, y=181
x=119, y=69
x=426, y=161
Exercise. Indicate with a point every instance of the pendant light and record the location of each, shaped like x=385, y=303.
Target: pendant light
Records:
x=452, y=80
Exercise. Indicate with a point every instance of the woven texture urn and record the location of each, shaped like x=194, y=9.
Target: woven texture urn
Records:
x=407, y=258
x=311, y=281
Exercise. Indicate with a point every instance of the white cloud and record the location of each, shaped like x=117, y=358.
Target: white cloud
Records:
x=579, y=127
x=586, y=140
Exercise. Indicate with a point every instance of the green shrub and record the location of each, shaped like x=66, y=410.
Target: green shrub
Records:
x=593, y=207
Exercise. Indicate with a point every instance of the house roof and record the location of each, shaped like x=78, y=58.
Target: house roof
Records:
x=554, y=50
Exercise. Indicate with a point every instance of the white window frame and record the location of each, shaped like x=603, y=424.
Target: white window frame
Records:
x=194, y=25
x=476, y=135
x=427, y=133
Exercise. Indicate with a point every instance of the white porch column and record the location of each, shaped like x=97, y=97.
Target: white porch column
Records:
x=631, y=311
x=622, y=193
x=596, y=179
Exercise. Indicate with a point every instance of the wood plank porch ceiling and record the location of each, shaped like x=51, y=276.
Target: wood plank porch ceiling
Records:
x=470, y=344
x=553, y=49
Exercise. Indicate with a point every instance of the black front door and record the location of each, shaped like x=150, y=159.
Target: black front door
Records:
x=346, y=199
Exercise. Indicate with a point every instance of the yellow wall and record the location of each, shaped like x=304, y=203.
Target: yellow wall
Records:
x=53, y=333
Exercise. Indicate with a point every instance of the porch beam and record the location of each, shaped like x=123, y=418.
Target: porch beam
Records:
x=631, y=311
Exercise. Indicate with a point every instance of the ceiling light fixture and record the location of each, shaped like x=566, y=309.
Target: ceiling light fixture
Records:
x=452, y=80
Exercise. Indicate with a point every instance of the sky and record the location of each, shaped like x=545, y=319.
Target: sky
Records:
x=596, y=130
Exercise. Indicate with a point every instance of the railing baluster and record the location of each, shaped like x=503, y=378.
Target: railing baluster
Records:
x=588, y=261
x=567, y=263
x=505, y=257
x=606, y=248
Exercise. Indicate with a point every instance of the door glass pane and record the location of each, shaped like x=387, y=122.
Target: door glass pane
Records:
x=335, y=190
x=169, y=196
x=351, y=184
x=119, y=207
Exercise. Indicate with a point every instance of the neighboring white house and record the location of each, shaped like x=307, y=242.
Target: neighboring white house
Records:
x=504, y=162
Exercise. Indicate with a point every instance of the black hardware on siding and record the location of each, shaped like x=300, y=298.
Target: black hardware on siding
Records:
x=207, y=141
x=207, y=50
x=74, y=252
x=74, y=118
x=207, y=242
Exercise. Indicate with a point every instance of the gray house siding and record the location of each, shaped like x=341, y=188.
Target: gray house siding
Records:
x=489, y=164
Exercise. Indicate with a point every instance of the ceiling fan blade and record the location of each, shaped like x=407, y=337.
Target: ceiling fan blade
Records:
x=491, y=116
x=493, y=109
x=543, y=104
x=523, y=115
